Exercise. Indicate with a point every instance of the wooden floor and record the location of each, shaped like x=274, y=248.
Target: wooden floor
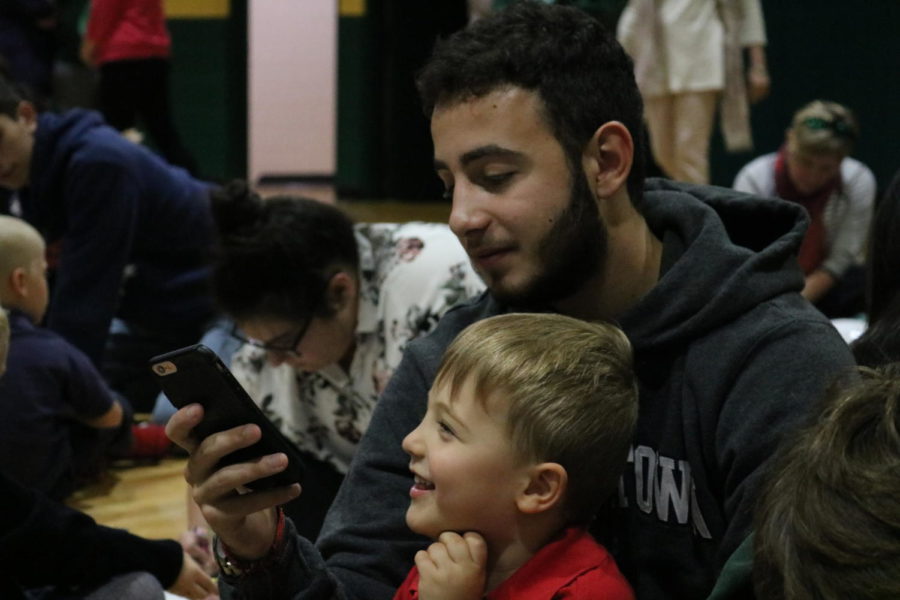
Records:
x=150, y=500
x=147, y=500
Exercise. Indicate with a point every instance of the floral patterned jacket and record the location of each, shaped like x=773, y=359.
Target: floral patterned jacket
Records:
x=410, y=275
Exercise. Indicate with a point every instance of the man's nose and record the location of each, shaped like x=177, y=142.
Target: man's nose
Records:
x=467, y=213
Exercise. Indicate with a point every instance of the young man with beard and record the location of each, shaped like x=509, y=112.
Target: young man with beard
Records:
x=537, y=128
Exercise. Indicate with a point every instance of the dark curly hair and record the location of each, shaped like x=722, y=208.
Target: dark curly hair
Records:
x=275, y=257
x=576, y=66
x=880, y=343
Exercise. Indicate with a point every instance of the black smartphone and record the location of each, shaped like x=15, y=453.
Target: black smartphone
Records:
x=195, y=374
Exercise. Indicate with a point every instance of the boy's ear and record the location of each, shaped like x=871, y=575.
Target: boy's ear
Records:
x=545, y=489
x=18, y=282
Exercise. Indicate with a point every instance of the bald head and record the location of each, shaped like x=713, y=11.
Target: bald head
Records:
x=20, y=245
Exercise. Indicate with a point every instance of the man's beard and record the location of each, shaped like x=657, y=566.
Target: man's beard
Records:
x=571, y=252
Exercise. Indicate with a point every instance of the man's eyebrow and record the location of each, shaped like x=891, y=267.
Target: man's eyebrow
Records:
x=477, y=153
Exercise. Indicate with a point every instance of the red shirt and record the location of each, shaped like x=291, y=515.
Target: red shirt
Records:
x=572, y=566
x=128, y=29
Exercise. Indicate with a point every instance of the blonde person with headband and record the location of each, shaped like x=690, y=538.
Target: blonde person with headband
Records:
x=814, y=169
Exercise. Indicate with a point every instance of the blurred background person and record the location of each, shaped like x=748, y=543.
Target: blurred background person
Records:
x=61, y=424
x=52, y=552
x=129, y=43
x=813, y=168
x=688, y=61
x=128, y=238
x=27, y=44
x=880, y=342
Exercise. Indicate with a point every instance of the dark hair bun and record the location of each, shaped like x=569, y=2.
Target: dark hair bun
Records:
x=236, y=209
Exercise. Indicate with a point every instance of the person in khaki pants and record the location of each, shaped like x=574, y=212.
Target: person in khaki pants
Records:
x=688, y=61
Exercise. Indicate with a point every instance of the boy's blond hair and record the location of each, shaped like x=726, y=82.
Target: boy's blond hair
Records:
x=20, y=245
x=570, y=389
x=823, y=127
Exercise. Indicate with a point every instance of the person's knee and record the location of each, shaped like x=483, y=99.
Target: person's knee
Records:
x=134, y=586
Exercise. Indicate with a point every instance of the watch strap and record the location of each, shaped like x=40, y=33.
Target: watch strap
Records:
x=234, y=566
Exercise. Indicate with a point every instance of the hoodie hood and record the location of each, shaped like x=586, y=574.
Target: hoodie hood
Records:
x=724, y=252
x=57, y=139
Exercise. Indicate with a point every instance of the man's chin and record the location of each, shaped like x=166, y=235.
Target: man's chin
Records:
x=521, y=295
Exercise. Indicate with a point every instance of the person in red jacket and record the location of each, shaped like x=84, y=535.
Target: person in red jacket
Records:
x=529, y=422
x=129, y=42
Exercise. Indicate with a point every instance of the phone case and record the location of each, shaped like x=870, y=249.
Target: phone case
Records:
x=195, y=374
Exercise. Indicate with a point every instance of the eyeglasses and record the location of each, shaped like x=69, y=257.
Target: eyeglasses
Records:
x=276, y=344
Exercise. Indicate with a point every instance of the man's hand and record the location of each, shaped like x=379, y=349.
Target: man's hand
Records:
x=193, y=583
x=817, y=284
x=758, y=83
x=244, y=520
x=453, y=568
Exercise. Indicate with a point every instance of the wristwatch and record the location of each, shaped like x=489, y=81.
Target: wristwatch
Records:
x=229, y=565
x=232, y=566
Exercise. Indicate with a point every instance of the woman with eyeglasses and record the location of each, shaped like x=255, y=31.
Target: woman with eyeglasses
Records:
x=322, y=309
x=814, y=168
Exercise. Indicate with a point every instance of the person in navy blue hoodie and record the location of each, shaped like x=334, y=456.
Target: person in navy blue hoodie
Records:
x=131, y=232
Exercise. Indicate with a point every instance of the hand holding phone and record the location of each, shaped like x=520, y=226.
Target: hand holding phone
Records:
x=195, y=374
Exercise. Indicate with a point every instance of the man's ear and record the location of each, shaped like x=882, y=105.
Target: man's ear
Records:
x=608, y=158
x=545, y=489
x=28, y=114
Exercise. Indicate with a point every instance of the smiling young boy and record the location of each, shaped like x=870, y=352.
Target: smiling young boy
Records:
x=528, y=425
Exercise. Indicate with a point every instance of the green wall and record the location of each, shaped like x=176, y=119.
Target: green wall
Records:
x=209, y=90
x=847, y=52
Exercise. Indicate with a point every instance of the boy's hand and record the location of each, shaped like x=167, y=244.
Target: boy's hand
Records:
x=197, y=542
x=193, y=583
x=453, y=568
